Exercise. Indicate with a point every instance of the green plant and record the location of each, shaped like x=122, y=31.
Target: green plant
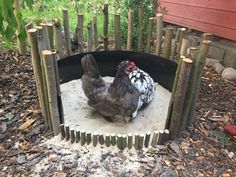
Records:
x=223, y=138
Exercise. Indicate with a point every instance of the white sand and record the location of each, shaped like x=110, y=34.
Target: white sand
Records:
x=79, y=115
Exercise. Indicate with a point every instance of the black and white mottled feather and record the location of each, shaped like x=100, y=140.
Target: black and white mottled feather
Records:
x=145, y=85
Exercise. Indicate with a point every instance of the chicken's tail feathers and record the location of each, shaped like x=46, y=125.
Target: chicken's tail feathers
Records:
x=90, y=66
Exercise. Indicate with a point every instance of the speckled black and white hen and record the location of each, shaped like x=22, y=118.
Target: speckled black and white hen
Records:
x=145, y=85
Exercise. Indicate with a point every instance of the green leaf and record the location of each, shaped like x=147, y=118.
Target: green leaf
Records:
x=223, y=138
x=8, y=116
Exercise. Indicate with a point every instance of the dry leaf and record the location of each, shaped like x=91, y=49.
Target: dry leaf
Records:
x=27, y=124
x=167, y=162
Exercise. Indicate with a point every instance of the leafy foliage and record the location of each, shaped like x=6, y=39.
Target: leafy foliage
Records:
x=223, y=138
x=8, y=21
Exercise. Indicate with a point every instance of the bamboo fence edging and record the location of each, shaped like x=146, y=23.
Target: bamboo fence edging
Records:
x=159, y=31
x=130, y=29
x=66, y=31
x=52, y=90
x=90, y=37
x=184, y=47
x=167, y=43
x=181, y=89
x=173, y=50
x=140, y=28
x=105, y=25
x=117, y=31
x=149, y=34
x=80, y=31
x=58, y=36
x=182, y=34
x=95, y=31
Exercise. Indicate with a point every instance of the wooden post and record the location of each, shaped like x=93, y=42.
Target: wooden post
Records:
x=67, y=31
x=29, y=26
x=167, y=43
x=82, y=137
x=32, y=37
x=113, y=139
x=63, y=134
x=173, y=50
x=160, y=137
x=58, y=38
x=101, y=138
x=88, y=138
x=130, y=29
x=67, y=132
x=184, y=47
x=117, y=31
x=147, y=139
x=181, y=89
x=95, y=139
x=80, y=31
x=119, y=141
x=21, y=44
x=77, y=136
x=124, y=142
x=182, y=34
x=197, y=75
x=173, y=92
x=107, y=140
x=72, y=136
x=45, y=36
x=159, y=32
x=141, y=139
x=52, y=89
x=130, y=140
x=95, y=31
x=166, y=136
x=90, y=37
x=154, y=138
x=207, y=36
x=149, y=34
x=105, y=25
x=136, y=141
x=140, y=28
x=50, y=33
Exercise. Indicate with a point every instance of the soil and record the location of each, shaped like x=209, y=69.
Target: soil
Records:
x=203, y=150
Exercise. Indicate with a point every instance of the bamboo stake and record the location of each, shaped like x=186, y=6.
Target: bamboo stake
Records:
x=193, y=52
x=63, y=134
x=32, y=37
x=136, y=141
x=184, y=47
x=167, y=125
x=140, y=28
x=124, y=141
x=29, y=25
x=80, y=27
x=141, y=139
x=130, y=140
x=181, y=89
x=173, y=50
x=67, y=31
x=107, y=140
x=58, y=38
x=21, y=44
x=119, y=141
x=207, y=36
x=117, y=31
x=160, y=137
x=113, y=139
x=149, y=34
x=130, y=29
x=154, y=138
x=67, y=132
x=77, y=136
x=82, y=137
x=90, y=37
x=166, y=135
x=200, y=63
x=95, y=139
x=105, y=25
x=147, y=139
x=167, y=43
x=88, y=138
x=72, y=136
x=182, y=34
x=50, y=33
x=95, y=31
x=52, y=90
x=159, y=32
x=45, y=36
x=101, y=138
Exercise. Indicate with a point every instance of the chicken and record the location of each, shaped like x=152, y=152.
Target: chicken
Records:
x=120, y=98
x=145, y=85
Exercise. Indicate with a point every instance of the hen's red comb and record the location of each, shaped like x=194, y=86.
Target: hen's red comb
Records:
x=132, y=63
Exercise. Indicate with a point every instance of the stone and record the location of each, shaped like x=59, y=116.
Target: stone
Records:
x=216, y=52
x=230, y=58
x=229, y=74
x=21, y=159
x=218, y=67
x=211, y=62
x=52, y=158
